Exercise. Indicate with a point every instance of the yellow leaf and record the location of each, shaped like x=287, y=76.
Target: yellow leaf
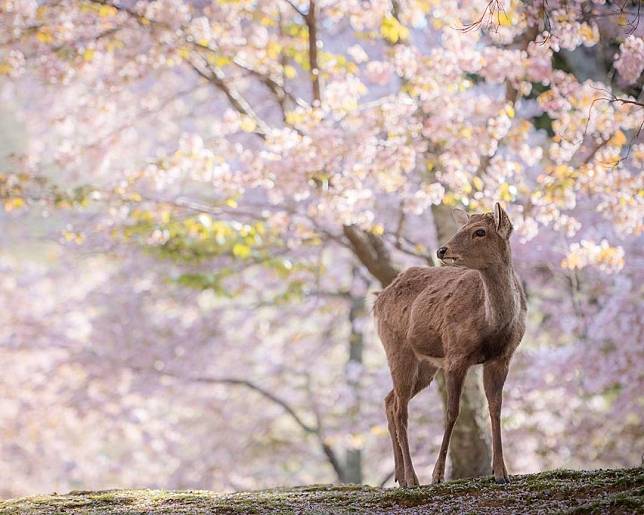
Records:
x=184, y=52
x=295, y=117
x=437, y=23
x=378, y=230
x=44, y=36
x=589, y=34
x=505, y=193
x=478, y=183
x=114, y=44
x=273, y=50
x=247, y=124
x=449, y=199
x=509, y=110
x=618, y=139
x=466, y=133
x=290, y=72
x=392, y=30
x=13, y=203
x=241, y=251
x=88, y=54
x=106, y=10
x=504, y=19
x=75, y=237
x=231, y=202
x=378, y=430
x=5, y=68
x=218, y=60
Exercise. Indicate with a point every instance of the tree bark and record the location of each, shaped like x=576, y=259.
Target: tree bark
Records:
x=372, y=252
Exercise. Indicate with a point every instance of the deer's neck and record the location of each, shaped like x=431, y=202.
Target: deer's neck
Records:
x=501, y=295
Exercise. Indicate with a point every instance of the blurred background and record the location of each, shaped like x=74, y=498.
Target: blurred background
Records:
x=199, y=199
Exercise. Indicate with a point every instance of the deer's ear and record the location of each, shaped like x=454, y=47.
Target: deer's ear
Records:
x=460, y=216
x=502, y=222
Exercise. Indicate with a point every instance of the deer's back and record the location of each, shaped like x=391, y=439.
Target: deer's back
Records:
x=433, y=289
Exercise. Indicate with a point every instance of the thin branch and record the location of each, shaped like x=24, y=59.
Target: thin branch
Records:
x=612, y=98
x=217, y=78
x=399, y=241
x=328, y=452
x=385, y=479
x=277, y=89
x=311, y=23
x=626, y=101
x=296, y=9
x=238, y=102
x=256, y=388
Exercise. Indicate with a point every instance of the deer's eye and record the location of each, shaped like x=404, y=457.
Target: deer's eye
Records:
x=479, y=233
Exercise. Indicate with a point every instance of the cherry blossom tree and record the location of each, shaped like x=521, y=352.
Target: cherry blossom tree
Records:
x=247, y=172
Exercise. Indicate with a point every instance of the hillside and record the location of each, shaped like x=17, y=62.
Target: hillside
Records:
x=559, y=491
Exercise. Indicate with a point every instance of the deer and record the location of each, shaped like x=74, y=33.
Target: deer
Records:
x=470, y=311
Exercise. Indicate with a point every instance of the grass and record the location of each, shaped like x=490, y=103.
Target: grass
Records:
x=557, y=491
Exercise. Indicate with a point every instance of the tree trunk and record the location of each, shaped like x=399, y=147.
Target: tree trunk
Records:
x=469, y=450
x=353, y=461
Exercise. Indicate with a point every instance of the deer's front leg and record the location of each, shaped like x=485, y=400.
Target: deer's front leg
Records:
x=494, y=374
x=454, y=378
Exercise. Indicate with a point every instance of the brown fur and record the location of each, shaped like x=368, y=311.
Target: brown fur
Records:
x=452, y=317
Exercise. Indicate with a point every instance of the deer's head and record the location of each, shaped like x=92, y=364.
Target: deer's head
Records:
x=481, y=242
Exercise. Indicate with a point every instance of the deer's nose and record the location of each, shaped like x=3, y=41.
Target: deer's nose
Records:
x=441, y=252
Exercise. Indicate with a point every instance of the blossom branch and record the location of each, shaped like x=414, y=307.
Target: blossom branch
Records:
x=327, y=450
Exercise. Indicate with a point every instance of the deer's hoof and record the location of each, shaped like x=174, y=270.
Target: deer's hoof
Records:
x=409, y=482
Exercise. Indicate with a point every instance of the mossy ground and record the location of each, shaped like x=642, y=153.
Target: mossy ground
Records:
x=558, y=491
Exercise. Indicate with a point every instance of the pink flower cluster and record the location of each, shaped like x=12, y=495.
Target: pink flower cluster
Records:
x=630, y=61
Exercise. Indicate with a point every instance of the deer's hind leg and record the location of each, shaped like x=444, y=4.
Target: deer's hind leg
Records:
x=409, y=376
x=390, y=409
x=404, y=378
x=424, y=376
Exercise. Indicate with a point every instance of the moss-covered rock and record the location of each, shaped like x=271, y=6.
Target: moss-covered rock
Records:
x=557, y=491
